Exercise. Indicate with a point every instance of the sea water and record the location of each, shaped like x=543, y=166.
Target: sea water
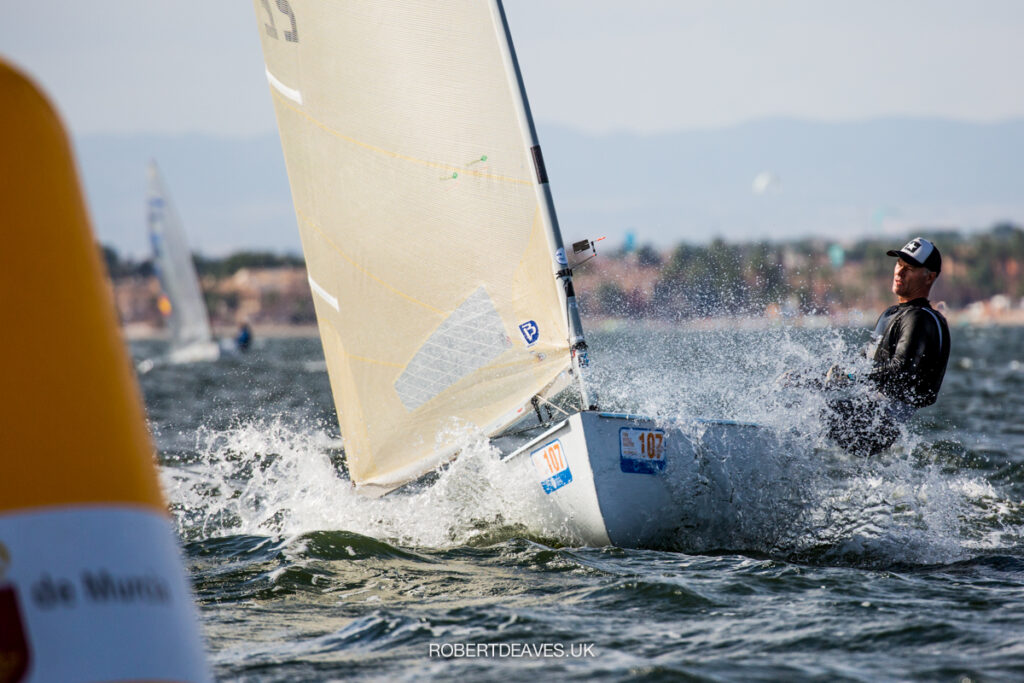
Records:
x=905, y=566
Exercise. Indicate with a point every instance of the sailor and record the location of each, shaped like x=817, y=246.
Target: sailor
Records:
x=244, y=339
x=910, y=354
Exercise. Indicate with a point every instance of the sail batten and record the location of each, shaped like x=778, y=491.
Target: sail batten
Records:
x=424, y=229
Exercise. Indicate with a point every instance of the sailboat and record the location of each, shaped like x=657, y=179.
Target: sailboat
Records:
x=181, y=300
x=442, y=286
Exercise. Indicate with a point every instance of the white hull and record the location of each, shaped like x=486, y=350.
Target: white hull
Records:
x=697, y=480
x=199, y=352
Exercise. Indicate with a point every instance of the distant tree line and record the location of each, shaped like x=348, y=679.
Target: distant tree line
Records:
x=722, y=278
x=119, y=267
x=806, y=276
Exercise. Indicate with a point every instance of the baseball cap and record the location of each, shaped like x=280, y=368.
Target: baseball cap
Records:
x=920, y=252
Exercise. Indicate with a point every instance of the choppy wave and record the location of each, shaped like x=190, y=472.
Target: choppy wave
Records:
x=904, y=566
x=917, y=504
x=267, y=479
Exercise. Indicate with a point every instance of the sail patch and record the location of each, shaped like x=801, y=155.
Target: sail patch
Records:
x=470, y=338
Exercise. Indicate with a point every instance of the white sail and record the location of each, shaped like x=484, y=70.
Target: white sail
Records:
x=182, y=301
x=425, y=220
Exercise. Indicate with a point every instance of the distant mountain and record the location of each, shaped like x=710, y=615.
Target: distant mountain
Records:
x=834, y=180
x=829, y=179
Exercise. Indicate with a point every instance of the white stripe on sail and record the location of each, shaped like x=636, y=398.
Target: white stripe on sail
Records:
x=290, y=93
x=323, y=294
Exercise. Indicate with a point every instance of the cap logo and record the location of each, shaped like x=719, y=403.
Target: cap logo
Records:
x=918, y=249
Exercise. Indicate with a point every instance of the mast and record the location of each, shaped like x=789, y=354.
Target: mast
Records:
x=566, y=292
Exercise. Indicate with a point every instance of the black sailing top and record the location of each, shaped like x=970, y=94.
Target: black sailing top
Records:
x=912, y=353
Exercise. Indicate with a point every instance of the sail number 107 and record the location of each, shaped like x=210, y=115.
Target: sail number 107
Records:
x=553, y=467
x=642, y=444
x=652, y=445
x=550, y=460
x=642, y=450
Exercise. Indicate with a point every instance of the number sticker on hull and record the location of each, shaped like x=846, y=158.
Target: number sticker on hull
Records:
x=641, y=451
x=552, y=466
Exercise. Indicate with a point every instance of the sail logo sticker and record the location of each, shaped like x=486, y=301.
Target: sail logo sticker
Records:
x=530, y=332
x=561, y=258
x=552, y=466
x=641, y=451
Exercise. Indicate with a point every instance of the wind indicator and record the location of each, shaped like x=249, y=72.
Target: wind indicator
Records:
x=583, y=251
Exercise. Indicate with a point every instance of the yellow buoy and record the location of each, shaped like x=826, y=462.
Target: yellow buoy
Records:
x=91, y=582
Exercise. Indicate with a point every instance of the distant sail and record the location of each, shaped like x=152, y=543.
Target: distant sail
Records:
x=420, y=196
x=182, y=302
x=765, y=181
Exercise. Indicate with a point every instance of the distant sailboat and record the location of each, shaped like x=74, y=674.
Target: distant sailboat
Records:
x=181, y=301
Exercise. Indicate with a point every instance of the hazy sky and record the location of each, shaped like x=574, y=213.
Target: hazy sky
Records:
x=117, y=66
x=158, y=67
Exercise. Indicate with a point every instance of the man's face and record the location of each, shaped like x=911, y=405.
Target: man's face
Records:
x=910, y=281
